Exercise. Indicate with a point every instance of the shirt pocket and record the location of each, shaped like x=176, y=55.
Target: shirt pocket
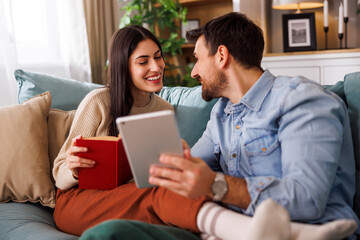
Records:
x=263, y=152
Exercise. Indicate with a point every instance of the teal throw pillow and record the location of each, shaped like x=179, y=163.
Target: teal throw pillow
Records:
x=66, y=94
x=192, y=112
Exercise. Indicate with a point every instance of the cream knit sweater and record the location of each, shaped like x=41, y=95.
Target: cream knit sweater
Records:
x=92, y=118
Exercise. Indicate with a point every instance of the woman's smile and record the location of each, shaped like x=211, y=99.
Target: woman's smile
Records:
x=154, y=78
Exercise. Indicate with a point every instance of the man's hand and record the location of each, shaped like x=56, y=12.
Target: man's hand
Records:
x=187, y=176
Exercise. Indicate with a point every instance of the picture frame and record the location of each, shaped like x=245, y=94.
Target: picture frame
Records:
x=189, y=25
x=299, y=33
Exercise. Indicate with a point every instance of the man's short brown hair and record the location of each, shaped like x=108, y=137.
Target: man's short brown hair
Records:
x=243, y=38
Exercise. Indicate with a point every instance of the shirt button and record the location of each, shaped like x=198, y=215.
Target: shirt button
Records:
x=237, y=127
x=234, y=155
x=263, y=149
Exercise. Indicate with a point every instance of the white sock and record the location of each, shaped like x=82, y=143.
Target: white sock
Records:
x=205, y=236
x=217, y=221
x=271, y=221
x=335, y=230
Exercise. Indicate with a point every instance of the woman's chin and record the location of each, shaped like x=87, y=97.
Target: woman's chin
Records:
x=156, y=86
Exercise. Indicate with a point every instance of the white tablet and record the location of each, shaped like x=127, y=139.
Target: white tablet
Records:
x=145, y=137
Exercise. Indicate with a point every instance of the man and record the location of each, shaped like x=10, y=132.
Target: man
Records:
x=283, y=138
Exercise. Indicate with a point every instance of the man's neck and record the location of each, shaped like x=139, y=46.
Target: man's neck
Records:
x=240, y=81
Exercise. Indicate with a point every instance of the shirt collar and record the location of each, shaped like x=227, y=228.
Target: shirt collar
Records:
x=254, y=98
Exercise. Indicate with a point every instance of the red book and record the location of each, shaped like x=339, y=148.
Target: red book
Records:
x=111, y=167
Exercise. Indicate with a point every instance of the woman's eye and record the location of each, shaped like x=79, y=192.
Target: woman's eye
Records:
x=143, y=63
x=159, y=57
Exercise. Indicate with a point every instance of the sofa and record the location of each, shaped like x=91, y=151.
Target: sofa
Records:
x=33, y=131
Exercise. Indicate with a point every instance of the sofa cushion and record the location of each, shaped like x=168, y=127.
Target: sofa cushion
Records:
x=28, y=221
x=130, y=229
x=349, y=91
x=25, y=168
x=352, y=92
x=66, y=93
x=192, y=112
x=338, y=89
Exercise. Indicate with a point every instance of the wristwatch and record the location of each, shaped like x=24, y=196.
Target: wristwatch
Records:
x=219, y=187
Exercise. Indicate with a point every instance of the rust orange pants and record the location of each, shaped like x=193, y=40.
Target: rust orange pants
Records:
x=79, y=209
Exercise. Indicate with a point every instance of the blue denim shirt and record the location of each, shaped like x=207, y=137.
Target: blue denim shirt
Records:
x=291, y=141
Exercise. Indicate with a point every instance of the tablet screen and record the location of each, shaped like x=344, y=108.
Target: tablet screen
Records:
x=145, y=137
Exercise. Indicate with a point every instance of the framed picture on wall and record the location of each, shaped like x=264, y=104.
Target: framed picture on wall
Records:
x=189, y=25
x=299, y=32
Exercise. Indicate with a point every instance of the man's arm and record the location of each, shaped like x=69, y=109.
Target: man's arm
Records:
x=193, y=178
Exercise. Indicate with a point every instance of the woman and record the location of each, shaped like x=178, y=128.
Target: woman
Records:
x=136, y=70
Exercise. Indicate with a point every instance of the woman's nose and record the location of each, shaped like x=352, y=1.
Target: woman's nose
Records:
x=155, y=66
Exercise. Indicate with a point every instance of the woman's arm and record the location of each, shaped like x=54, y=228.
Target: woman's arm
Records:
x=91, y=119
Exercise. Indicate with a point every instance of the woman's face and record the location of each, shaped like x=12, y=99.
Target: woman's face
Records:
x=146, y=68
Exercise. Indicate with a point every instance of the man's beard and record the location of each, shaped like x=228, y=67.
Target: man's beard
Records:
x=214, y=87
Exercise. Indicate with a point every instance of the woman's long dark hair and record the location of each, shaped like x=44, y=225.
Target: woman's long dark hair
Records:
x=122, y=45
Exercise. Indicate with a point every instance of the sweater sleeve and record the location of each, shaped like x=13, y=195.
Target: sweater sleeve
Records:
x=91, y=119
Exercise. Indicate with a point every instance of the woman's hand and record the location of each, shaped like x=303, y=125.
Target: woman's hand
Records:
x=73, y=162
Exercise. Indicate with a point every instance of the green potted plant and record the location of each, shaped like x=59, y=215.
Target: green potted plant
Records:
x=163, y=18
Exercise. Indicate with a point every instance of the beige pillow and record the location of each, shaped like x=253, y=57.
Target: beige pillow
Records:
x=24, y=160
x=59, y=123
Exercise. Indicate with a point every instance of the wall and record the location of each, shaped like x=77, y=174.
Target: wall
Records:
x=270, y=20
x=275, y=38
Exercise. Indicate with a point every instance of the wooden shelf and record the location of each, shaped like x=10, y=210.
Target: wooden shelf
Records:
x=204, y=11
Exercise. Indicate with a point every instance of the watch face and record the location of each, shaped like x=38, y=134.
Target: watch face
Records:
x=219, y=187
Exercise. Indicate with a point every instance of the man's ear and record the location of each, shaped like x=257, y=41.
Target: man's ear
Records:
x=222, y=56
